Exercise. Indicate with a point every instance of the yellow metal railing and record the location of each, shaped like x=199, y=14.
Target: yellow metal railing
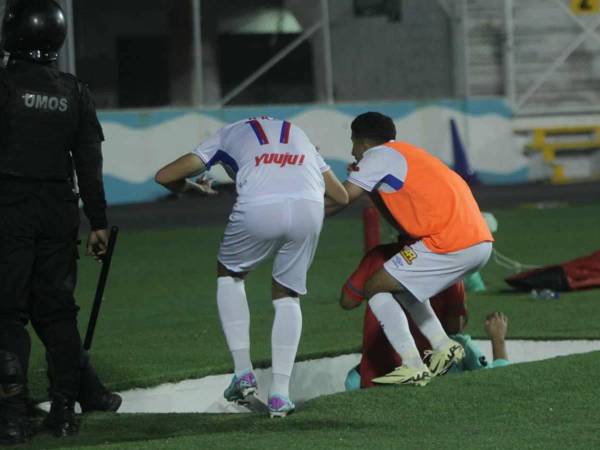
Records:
x=552, y=140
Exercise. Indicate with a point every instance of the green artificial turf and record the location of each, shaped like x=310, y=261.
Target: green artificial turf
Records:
x=542, y=237
x=159, y=323
x=544, y=405
x=159, y=319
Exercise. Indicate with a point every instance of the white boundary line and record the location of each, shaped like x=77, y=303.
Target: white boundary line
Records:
x=310, y=379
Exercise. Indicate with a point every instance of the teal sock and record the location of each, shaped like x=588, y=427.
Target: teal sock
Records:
x=474, y=283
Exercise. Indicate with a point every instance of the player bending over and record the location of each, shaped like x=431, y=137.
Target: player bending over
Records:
x=281, y=181
x=378, y=356
x=428, y=202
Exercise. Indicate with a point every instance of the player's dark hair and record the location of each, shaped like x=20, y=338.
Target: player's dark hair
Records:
x=373, y=126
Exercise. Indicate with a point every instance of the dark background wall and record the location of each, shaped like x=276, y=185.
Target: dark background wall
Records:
x=114, y=44
x=376, y=58
x=373, y=58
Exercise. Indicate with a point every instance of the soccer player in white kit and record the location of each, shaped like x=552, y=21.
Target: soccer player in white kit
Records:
x=281, y=181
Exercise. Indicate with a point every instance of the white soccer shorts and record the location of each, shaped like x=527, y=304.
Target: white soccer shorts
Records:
x=286, y=228
x=425, y=274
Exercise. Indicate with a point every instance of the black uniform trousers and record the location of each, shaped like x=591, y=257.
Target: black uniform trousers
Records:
x=39, y=224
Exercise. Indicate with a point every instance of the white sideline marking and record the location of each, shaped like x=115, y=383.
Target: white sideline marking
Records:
x=310, y=379
x=527, y=351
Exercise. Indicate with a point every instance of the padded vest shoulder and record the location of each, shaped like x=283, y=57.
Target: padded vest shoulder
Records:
x=40, y=123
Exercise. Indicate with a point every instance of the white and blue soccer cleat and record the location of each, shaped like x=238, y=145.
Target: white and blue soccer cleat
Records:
x=241, y=387
x=280, y=406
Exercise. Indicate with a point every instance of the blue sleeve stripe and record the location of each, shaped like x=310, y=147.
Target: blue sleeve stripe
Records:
x=392, y=181
x=259, y=132
x=284, y=138
x=223, y=157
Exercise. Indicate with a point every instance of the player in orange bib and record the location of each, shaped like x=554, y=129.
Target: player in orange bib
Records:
x=428, y=202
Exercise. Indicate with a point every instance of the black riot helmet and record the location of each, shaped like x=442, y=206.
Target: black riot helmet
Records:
x=33, y=29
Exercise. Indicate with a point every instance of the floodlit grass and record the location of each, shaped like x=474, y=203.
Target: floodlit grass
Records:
x=542, y=237
x=543, y=405
x=159, y=318
x=159, y=323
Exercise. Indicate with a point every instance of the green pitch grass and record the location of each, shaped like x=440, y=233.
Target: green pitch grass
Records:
x=544, y=405
x=159, y=323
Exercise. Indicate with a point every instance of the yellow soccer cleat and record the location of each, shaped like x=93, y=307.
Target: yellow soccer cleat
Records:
x=440, y=361
x=406, y=375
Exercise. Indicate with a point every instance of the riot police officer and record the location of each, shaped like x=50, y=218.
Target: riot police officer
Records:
x=49, y=136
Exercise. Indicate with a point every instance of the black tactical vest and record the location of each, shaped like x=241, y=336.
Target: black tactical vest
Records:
x=38, y=123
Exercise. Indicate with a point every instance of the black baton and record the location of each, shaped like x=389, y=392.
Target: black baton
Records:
x=112, y=240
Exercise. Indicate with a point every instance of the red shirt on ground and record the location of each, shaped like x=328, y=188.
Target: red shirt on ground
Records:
x=378, y=356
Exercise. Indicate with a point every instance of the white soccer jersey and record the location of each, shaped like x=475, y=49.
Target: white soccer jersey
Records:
x=269, y=158
x=381, y=168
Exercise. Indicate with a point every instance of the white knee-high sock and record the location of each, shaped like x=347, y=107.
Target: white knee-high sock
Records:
x=235, y=319
x=395, y=326
x=425, y=318
x=285, y=337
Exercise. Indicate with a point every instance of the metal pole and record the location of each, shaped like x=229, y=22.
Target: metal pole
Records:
x=510, y=87
x=2, y=9
x=545, y=111
x=270, y=63
x=458, y=49
x=327, y=51
x=67, y=57
x=467, y=80
x=198, y=78
x=465, y=36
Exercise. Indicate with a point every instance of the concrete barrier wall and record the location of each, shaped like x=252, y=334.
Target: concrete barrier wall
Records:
x=140, y=142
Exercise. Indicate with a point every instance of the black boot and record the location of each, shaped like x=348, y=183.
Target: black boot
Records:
x=14, y=431
x=61, y=420
x=14, y=426
x=14, y=423
x=107, y=401
x=93, y=395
